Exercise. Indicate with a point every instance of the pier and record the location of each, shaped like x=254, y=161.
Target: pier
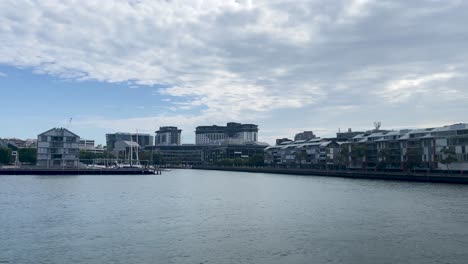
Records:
x=71, y=171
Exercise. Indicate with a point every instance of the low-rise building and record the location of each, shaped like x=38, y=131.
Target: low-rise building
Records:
x=143, y=140
x=126, y=149
x=86, y=144
x=189, y=154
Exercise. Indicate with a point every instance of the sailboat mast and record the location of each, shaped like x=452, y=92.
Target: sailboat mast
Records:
x=131, y=150
x=137, y=150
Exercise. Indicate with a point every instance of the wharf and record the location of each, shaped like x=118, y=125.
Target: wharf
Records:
x=70, y=171
x=376, y=175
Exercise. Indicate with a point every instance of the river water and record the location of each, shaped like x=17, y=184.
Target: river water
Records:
x=190, y=216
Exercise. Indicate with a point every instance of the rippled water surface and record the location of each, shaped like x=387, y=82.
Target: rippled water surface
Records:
x=189, y=216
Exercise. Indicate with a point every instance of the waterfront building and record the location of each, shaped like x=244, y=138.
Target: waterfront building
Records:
x=168, y=135
x=416, y=149
x=313, y=153
x=401, y=150
x=232, y=133
x=126, y=149
x=215, y=154
x=306, y=135
x=186, y=154
x=143, y=140
x=190, y=154
x=58, y=147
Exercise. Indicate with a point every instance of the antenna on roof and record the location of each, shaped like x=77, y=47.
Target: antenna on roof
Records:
x=69, y=123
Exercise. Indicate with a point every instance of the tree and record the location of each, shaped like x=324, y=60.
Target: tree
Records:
x=344, y=155
x=301, y=155
x=27, y=155
x=87, y=157
x=359, y=151
x=413, y=158
x=268, y=158
x=384, y=157
x=5, y=155
x=257, y=160
x=448, y=157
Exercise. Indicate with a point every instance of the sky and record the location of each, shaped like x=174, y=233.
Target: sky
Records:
x=286, y=65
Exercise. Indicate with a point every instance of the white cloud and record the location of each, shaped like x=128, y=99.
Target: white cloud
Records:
x=269, y=61
x=401, y=90
x=3, y=74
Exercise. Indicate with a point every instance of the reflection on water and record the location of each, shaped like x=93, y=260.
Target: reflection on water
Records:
x=189, y=216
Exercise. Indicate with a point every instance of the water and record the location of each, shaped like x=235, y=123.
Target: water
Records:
x=189, y=216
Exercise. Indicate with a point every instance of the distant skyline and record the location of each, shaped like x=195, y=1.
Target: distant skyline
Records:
x=288, y=66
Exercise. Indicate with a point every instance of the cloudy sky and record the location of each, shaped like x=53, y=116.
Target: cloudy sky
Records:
x=286, y=65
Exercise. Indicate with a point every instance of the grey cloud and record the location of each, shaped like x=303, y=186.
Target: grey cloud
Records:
x=274, y=60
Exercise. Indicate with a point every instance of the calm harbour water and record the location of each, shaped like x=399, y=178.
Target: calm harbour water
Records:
x=190, y=216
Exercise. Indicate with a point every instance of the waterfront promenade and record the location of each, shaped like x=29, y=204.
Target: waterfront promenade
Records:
x=377, y=175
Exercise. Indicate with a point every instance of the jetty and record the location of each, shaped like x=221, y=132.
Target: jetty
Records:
x=78, y=171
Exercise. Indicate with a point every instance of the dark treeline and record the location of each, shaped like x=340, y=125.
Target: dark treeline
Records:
x=26, y=155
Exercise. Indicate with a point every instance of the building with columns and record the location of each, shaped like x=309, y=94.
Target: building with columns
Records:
x=232, y=133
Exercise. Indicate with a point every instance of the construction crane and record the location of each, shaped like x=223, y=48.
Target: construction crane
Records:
x=69, y=123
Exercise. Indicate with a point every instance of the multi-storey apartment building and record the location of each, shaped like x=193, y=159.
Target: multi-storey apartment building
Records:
x=420, y=149
x=409, y=149
x=58, y=147
x=232, y=133
x=314, y=153
x=168, y=135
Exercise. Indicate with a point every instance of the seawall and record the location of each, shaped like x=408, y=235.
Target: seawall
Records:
x=398, y=176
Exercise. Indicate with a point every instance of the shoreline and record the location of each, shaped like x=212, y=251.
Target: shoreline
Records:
x=394, y=176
